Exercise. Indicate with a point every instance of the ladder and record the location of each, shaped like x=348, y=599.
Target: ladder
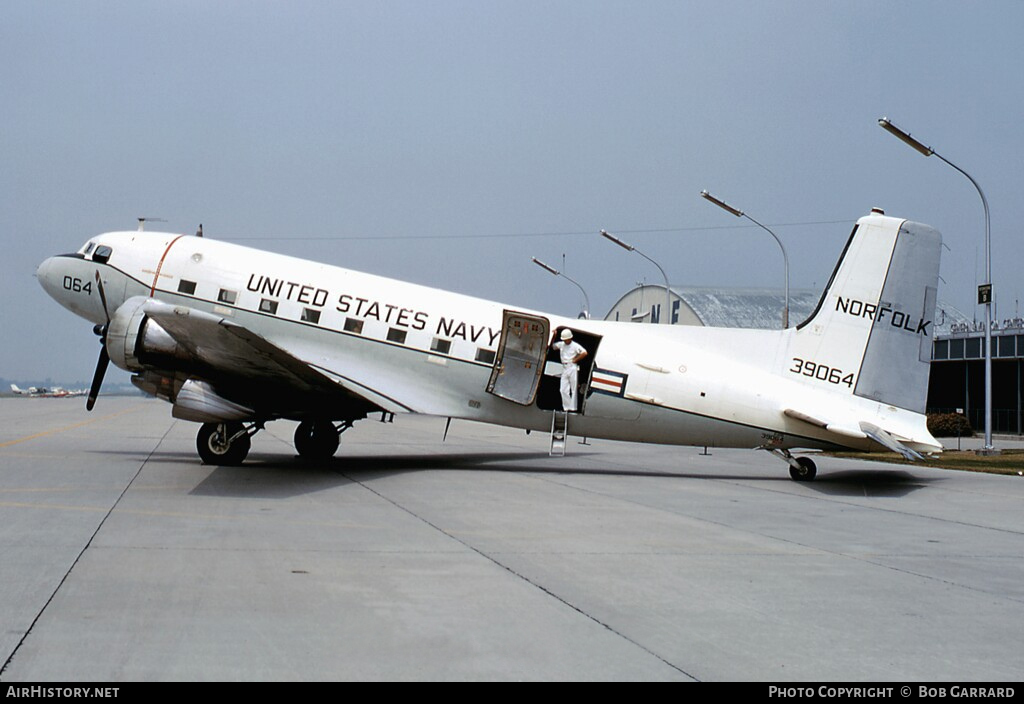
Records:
x=559, y=431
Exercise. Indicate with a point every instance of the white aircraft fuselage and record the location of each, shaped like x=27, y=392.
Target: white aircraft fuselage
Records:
x=231, y=334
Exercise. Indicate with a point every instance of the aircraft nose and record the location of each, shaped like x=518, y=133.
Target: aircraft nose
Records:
x=45, y=275
x=70, y=280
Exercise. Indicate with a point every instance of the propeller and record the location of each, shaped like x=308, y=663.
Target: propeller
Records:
x=104, y=360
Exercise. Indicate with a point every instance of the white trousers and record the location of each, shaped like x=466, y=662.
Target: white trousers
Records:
x=568, y=387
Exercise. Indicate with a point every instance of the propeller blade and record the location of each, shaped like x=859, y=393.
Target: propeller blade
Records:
x=103, y=296
x=97, y=378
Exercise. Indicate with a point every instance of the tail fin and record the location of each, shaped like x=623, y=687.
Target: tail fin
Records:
x=871, y=333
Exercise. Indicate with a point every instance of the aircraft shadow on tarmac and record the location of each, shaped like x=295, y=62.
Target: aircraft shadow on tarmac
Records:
x=870, y=483
x=280, y=476
x=269, y=476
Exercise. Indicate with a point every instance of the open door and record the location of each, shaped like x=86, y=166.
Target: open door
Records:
x=520, y=360
x=549, y=397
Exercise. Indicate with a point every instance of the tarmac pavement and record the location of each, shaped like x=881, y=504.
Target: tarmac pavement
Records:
x=481, y=558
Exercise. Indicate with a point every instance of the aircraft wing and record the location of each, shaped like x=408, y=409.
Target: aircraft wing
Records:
x=250, y=369
x=858, y=430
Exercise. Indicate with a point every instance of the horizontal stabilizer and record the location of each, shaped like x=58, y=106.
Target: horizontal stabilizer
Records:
x=844, y=429
x=886, y=439
x=862, y=430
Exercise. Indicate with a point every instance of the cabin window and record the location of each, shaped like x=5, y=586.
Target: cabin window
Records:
x=396, y=335
x=440, y=345
x=226, y=296
x=268, y=306
x=102, y=254
x=485, y=356
x=310, y=315
x=187, y=287
x=354, y=325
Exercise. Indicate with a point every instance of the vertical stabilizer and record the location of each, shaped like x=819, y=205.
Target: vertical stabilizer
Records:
x=871, y=333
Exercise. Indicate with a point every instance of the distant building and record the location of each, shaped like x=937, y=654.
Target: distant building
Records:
x=957, y=381
x=714, y=307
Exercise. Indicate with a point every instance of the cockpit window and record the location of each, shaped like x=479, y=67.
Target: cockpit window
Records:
x=88, y=248
x=102, y=254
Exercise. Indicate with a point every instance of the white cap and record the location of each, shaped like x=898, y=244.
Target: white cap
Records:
x=567, y=334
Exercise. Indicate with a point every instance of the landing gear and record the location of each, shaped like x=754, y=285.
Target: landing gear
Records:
x=801, y=469
x=318, y=439
x=806, y=471
x=224, y=444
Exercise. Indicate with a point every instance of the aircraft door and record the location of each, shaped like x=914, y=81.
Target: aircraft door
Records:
x=520, y=359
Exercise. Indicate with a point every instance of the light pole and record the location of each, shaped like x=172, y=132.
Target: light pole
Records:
x=985, y=287
x=785, y=257
x=556, y=272
x=630, y=248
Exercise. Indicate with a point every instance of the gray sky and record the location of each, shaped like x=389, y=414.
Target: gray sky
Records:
x=409, y=139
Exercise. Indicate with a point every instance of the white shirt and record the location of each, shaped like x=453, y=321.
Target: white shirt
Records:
x=568, y=351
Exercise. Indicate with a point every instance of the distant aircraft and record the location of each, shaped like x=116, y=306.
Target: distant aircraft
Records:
x=235, y=337
x=43, y=392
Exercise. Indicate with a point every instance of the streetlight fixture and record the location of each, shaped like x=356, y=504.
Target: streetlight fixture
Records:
x=785, y=257
x=556, y=272
x=630, y=248
x=985, y=287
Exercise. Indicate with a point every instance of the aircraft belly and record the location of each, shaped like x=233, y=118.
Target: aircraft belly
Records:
x=615, y=408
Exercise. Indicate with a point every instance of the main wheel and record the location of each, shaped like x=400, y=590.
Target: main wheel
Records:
x=807, y=472
x=215, y=445
x=316, y=440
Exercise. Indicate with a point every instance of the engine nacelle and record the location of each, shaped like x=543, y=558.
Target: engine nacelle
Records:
x=135, y=342
x=158, y=384
x=198, y=401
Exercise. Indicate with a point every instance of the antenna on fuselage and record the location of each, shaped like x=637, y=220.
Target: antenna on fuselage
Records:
x=142, y=222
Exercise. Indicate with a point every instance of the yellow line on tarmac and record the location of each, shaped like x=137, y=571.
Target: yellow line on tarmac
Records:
x=231, y=518
x=68, y=427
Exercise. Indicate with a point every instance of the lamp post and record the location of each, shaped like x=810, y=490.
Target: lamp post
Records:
x=556, y=272
x=785, y=257
x=892, y=129
x=630, y=248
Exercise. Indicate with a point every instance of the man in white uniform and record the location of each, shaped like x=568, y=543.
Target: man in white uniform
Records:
x=571, y=353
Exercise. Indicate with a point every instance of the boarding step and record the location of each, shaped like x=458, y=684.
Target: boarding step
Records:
x=559, y=431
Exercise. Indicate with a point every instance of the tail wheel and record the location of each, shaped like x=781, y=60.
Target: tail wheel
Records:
x=224, y=444
x=316, y=440
x=807, y=472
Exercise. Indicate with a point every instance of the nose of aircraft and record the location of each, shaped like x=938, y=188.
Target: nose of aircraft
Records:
x=69, y=280
x=45, y=275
